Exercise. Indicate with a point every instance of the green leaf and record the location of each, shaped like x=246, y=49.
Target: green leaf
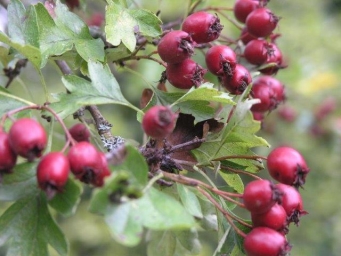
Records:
x=103, y=89
x=237, y=138
x=28, y=228
x=135, y=164
x=21, y=183
x=155, y=210
x=233, y=180
x=195, y=102
x=189, y=201
x=121, y=24
x=67, y=201
x=173, y=243
x=30, y=52
x=9, y=102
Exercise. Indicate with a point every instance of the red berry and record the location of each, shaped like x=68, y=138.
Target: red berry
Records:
x=96, y=19
x=263, y=241
x=270, y=91
x=291, y=202
x=85, y=162
x=221, y=60
x=261, y=22
x=287, y=113
x=237, y=83
x=256, y=51
x=202, y=26
x=175, y=46
x=80, y=132
x=8, y=157
x=53, y=172
x=246, y=37
x=275, y=218
x=159, y=121
x=242, y=8
x=275, y=58
x=287, y=166
x=260, y=195
x=27, y=138
x=185, y=74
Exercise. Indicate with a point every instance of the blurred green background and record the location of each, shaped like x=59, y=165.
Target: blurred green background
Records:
x=310, y=44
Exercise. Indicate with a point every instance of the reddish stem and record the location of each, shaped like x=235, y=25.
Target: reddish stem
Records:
x=240, y=171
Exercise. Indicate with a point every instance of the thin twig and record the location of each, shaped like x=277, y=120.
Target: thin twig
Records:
x=240, y=171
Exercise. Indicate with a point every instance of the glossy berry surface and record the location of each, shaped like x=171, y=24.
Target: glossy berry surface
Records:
x=242, y=8
x=260, y=195
x=275, y=218
x=175, y=46
x=269, y=91
x=53, y=172
x=240, y=79
x=203, y=27
x=275, y=60
x=261, y=22
x=85, y=162
x=287, y=165
x=185, y=74
x=291, y=202
x=27, y=138
x=8, y=157
x=221, y=60
x=159, y=121
x=256, y=51
x=80, y=132
x=263, y=241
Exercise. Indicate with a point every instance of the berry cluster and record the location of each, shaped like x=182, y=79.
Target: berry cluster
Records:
x=274, y=206
x=27, y=138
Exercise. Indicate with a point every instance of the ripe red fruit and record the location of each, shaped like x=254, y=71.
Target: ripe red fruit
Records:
x=96, y=19
x=159, y=121
x=202, y=26
x=263, y=241
x=175, y=46
x=237, y=83
x=8, y=157
x=185, y=74
x=291, y=202
x=242, y=8
x=260, y=195
x=52, y=173
x=256, y=52
x=27, y=138
x=246, y=37
x=258, y=116
x=261, y=22
x=287, y=113
x=105, y=171
x=275, y=58
x=287, y=165
x=221, y=60
x=80, y=132
x=275, y=218
x=85, y=162
x=270, y=91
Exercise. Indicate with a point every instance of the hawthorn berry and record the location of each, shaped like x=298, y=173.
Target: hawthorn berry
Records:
x=264, y=241
x=175, y=46
x=261, y=22
x=221, y=60
x=256, y=51
x=53, y=172
x=246, y=37
x=159, y=121
x=105, y=171
x=242, y=8
x=275, y=58
x=275, y=218
x=27, y=138
x=85, y=162
x=287, y=165
x=240, y=79
x=80, y=132
x=260, y=195
x=8, y=157
x=291, y=202
x=203, y=27
x=185, y=74
x=270, y=91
